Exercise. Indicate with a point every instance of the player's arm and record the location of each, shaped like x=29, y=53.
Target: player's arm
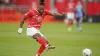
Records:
x=21, y=25
x=53, y=14
x=27, y=15
x=22, y=21
x=56, y=14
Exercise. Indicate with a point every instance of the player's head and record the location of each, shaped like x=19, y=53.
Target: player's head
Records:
x=34, y=5
x=70, y=0
x=41, y=7
x=79, y=2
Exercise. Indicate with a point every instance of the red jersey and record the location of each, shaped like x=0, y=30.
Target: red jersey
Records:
x=35, y=18
x=70, y=7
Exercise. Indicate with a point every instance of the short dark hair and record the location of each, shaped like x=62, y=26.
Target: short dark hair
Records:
x=42, y=2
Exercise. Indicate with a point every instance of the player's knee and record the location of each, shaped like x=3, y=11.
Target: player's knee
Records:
x=36, y=36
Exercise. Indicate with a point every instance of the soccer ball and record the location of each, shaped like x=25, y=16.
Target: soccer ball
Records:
x=87, y=52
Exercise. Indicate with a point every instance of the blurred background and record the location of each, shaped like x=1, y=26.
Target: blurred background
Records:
x=12, y=10
x=67, y=43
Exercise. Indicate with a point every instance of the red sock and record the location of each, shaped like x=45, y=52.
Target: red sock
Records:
x=42, y=48
x=42, y=41
x=69, y=24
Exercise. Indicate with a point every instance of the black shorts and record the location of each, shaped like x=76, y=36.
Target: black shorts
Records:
x=78, y=19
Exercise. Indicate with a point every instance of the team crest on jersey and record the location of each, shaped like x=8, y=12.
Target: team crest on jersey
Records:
x=39, y=19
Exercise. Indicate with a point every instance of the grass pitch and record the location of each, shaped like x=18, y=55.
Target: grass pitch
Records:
x=67, y=43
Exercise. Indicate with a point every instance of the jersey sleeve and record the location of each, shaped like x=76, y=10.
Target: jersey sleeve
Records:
x=47, y=12
x=28, y=14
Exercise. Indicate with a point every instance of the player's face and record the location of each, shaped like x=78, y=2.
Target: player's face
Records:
x=34, y=5
x=41, y=8
x=79, y=3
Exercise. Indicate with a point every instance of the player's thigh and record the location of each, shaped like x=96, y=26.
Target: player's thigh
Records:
x=77, y=19
x=31, y=31
x=81, y=19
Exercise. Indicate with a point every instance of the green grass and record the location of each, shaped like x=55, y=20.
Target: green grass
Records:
x=67, y=43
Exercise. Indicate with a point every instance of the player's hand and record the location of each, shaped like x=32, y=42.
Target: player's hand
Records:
x=20, y=30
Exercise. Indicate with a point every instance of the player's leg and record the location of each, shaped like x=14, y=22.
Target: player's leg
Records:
x=49, y=46
x=77, y=24
x=44, y=43
x=80, y=23
x=41, y=49
x=43, y=37
x=69, y=21
x=35, y=34
x=69, y=25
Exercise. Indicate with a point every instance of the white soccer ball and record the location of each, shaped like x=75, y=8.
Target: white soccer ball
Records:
x=87, y=52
